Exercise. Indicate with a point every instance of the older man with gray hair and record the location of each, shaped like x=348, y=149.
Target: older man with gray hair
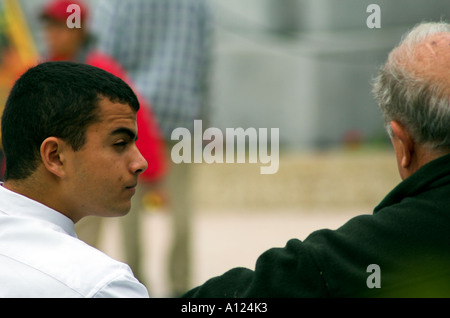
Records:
x=413, y=91
x=402, y=249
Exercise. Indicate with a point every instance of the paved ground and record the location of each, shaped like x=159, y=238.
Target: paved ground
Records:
x=241, y=213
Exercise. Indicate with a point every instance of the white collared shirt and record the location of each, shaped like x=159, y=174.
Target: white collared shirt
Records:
x=41, y=256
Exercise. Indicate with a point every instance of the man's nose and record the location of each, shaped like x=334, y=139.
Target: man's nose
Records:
x=139, y=164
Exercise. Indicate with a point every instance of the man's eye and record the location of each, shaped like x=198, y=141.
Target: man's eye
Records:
x=120, y=144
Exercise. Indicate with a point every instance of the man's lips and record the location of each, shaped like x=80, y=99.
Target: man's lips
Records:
x=131, y=188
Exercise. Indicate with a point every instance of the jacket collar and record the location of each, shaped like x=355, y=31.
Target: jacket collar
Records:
x=433, y=174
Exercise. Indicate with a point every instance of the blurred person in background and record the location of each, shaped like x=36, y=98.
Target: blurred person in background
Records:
x=78, y=44
x=165, y=46
x=402, y=249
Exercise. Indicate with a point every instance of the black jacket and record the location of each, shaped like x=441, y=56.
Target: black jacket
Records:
x=407, y=237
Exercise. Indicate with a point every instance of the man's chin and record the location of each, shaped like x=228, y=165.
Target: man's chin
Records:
x=123, y=212
x=115, y=211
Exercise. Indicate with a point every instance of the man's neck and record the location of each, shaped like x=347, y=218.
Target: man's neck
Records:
x=32, y=189
x=21, y=187
x=421, y=156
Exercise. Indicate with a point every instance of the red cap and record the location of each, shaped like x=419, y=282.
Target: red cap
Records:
x=57, y=10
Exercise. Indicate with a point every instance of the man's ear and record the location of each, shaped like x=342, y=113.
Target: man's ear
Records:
x=403, y=144
x=52, y=155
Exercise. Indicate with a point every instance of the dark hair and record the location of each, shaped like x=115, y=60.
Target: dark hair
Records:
x=58, y=99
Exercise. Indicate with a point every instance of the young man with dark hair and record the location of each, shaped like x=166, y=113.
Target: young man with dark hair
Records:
x=63, y=43
x=69, y=135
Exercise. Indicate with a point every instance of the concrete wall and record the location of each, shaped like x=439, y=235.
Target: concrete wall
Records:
x=310, y=15
x=305, y=66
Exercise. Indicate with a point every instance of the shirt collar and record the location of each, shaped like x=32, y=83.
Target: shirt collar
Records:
x=15, y=204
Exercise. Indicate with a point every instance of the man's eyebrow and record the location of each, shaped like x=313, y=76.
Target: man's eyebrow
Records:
x=126, y=131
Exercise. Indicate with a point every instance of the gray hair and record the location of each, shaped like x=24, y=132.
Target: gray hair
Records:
x=419, y=103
